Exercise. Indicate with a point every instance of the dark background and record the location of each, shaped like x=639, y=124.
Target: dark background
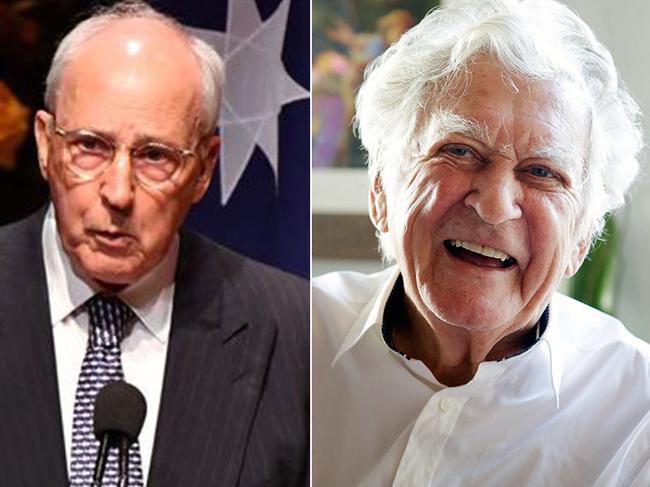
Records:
x=268, y=223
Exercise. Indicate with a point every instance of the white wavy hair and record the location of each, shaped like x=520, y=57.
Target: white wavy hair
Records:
x=211, y=65
x=533, y=39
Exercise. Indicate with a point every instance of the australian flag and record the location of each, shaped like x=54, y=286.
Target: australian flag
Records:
x=259, y=201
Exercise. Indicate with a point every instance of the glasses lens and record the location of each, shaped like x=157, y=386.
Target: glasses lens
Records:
x=156, y=163
x=88, y=153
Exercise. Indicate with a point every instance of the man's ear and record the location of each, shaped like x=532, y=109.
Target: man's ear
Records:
x=208, y=164
x=41, y=132
x=377, y=205
x=577, y=257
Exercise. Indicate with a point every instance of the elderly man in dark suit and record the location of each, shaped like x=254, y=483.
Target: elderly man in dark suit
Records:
x=104, y=285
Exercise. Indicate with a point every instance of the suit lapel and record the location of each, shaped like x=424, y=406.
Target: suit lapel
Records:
x=31, y=443
x=216, y=365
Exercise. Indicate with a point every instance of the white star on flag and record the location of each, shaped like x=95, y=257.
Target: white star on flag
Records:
x=257, y=86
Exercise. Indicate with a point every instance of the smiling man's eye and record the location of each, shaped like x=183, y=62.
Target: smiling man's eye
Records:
x=541, y=172
x=458, y=150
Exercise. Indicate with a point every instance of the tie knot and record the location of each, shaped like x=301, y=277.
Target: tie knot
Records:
x=108, y=317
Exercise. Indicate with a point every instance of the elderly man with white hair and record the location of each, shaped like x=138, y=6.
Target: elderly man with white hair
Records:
x=499, y=136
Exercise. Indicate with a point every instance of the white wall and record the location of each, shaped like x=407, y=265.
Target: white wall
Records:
x=624, y=27
x=343, y=191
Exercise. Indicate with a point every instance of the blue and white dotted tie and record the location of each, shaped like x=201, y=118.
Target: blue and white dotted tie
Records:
x=101, y=365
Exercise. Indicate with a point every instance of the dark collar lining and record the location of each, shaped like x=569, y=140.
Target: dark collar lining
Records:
x=395, y=311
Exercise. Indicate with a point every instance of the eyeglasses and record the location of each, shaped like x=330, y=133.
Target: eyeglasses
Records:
x=90, y=154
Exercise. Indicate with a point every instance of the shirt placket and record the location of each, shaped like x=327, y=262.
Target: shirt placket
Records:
x=427, y=440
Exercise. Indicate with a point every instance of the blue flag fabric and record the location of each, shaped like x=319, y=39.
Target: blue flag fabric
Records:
x=266, y=213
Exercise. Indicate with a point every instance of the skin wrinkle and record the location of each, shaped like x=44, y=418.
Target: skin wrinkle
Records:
x=420, y=65
x=116, y=92
x=445, y=120
x=460, y=314
x=414, y=208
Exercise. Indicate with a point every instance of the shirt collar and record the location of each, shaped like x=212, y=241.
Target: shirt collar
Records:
x=371, y=315
x=150, y=298
x=549, y=347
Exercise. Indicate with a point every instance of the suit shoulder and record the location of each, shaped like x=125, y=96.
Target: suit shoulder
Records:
x=252, y=283
x=21, y=229
x=22, y=233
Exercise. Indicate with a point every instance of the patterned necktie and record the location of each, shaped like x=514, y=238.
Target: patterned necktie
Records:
x=101, y=365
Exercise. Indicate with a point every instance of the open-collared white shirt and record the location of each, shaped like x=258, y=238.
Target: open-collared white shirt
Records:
x=570, y=411
x=144, y=348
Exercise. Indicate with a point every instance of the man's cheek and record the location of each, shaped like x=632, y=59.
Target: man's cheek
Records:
x=417, y=206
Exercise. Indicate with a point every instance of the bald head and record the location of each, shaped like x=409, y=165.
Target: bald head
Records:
x=132, y=42
x=143, y=61
x=135, y=44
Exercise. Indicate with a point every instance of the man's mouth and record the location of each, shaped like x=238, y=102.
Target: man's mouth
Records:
x=480, y=255
x=113, y=240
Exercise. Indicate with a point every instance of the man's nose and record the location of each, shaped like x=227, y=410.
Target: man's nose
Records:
x=117, y=184
x=495, y=195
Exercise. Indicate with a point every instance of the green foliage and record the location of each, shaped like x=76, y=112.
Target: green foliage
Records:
x=594, y=282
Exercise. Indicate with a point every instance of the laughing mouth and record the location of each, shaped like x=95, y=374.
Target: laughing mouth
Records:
x=480, y=255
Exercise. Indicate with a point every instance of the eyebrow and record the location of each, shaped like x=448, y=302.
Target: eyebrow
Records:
x=452, y=123
x=448, y=123
x=567, y=159
x=138, y=140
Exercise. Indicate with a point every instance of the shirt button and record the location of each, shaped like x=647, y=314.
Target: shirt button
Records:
x=444, y=405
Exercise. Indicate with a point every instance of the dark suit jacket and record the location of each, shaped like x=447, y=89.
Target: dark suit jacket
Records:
x=234, y=407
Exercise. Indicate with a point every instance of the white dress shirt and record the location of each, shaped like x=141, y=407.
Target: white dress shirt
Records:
x=144, y=348
x=569, y=411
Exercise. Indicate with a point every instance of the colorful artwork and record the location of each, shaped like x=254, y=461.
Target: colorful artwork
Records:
x=347, y=35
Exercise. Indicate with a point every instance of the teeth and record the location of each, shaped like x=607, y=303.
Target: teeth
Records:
x=481, y=249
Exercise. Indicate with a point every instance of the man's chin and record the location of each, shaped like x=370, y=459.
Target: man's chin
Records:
x=111, y=287
x=109, y=274
x=112, y=281
x=471, y=317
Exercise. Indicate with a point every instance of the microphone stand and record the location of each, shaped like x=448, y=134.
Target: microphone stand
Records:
x=123, y=463
x=100, y=464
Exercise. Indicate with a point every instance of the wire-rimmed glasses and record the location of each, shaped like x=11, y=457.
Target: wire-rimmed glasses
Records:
x=89, y=154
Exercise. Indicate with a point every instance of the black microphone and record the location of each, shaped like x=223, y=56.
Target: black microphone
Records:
x=120, y=409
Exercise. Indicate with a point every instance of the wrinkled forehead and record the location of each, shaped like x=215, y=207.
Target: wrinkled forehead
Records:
x=499, y=109
x=142, y=54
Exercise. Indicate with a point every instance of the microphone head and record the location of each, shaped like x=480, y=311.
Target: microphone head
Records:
x=120, y=409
